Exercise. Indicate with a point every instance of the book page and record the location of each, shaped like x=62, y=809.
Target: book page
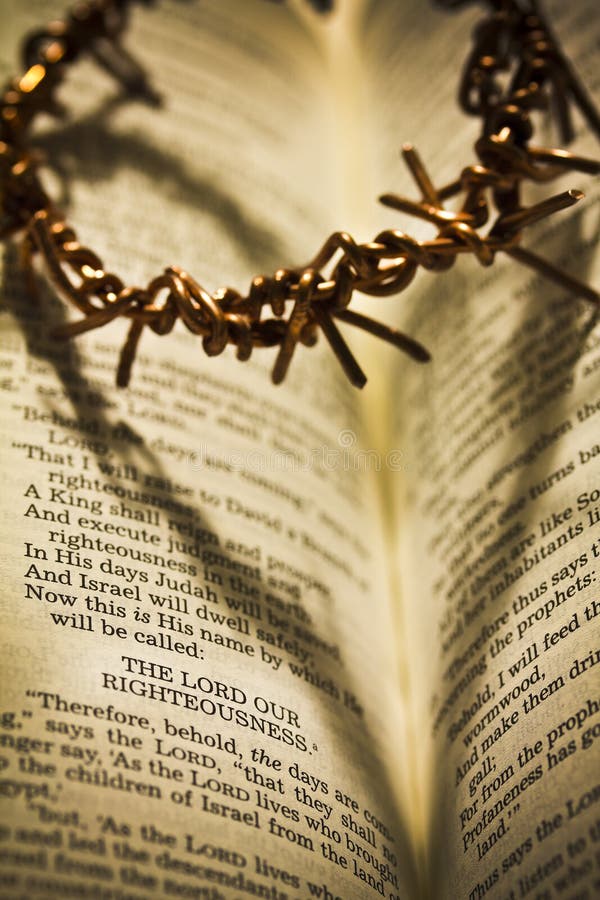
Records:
x=199, y=692
x=498, y=540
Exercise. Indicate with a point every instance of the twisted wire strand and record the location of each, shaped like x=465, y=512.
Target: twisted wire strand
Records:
x=512, y=44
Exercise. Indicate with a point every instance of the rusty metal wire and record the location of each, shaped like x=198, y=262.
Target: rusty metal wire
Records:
x=515, y=68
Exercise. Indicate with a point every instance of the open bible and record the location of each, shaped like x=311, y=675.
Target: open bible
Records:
x=298, y=641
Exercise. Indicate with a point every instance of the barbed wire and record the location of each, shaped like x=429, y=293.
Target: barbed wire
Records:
x=515, y=68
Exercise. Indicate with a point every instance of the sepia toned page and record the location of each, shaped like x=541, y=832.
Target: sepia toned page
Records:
x=498, y=522
x=199, y=692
